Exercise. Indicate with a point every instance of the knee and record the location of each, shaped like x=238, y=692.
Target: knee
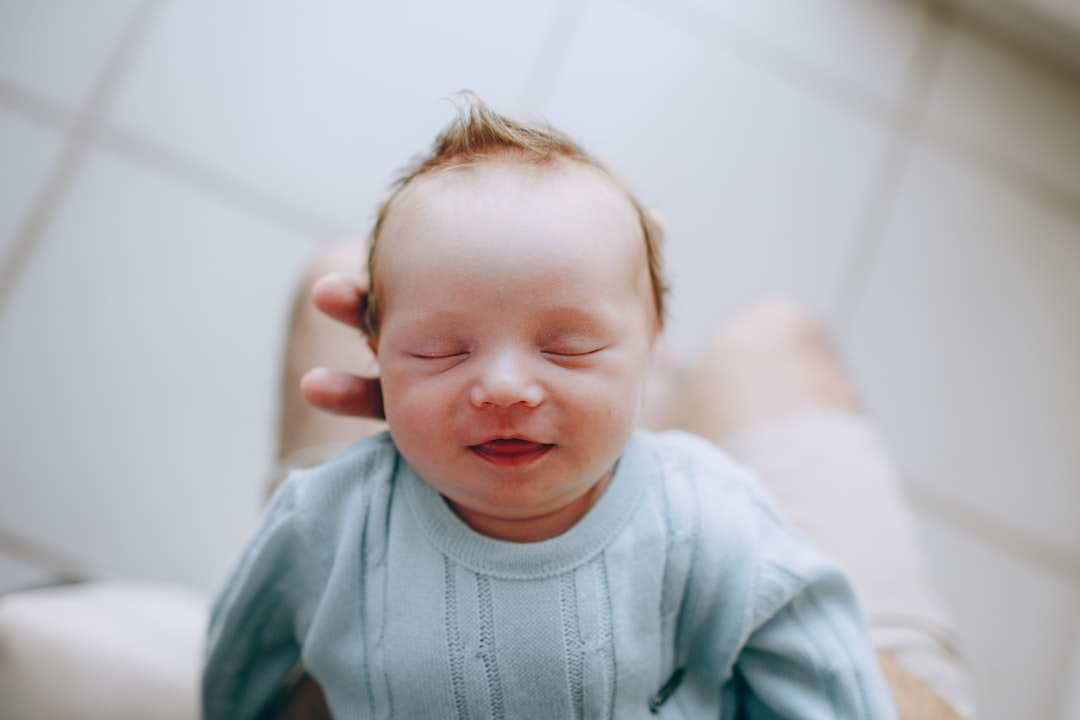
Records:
x=774, y=325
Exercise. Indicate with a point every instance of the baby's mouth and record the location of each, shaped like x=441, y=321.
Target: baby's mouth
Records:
x=512, y=452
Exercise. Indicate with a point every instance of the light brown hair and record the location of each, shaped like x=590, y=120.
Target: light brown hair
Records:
x=479, y=134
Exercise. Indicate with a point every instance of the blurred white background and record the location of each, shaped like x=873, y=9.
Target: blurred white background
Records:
x=908, y=170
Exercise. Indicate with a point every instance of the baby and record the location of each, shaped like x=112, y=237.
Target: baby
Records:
x=513, y=547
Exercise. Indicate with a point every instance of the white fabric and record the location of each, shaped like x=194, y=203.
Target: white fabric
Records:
x=101, y=650
x=836, y=483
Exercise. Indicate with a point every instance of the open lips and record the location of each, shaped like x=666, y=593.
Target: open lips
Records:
x=510, y=452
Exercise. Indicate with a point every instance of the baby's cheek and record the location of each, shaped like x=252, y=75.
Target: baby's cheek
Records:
x=609, y=406
x=404, y=401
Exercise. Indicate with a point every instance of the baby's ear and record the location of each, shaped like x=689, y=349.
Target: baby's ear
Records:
x=368, y=324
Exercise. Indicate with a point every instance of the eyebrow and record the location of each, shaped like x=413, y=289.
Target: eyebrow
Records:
x=565, y=319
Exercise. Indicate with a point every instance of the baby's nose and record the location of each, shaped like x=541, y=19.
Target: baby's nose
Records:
x=505, y=381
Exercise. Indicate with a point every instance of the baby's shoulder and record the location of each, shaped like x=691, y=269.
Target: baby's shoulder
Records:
x=740, y=547
x=344, y=487
x=712, y=496
x=691, y=466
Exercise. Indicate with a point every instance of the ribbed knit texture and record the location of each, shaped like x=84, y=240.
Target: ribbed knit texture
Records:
x=362, y=571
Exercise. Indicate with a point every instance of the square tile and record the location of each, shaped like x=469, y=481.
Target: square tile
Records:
x=867, y=46
x=1001, y=106
x=1014, y=619
x=141, y=349
x=28, y=154
x=1069, y=706
x=759, y=181
x=322, y=107
x=57, y=47
x=967, y=347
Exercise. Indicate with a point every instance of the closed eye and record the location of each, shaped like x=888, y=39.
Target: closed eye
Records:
x=572, y=356
x=438, y=355
x=571, y=344
x=572, y=353
x=437, y=362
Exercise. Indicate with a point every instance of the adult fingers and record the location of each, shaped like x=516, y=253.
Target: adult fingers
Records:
x=339, y=297
x=342, y=393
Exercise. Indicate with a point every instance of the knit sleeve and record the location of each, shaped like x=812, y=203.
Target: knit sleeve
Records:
x=258, y=618
x=809, y=655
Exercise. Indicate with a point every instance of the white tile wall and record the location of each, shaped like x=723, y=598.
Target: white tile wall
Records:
x=1010, y=110
x=139, y=344
x=28, y=153
x=320, y=108
x=137, y=375
x=972, y=311
x=758, y=179
x=1069, y=708
x=57, y=48
x=804, y=39
x=1018, y=622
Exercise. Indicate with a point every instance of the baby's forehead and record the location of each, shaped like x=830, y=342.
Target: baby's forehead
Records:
x=541, y=230
x=556, y=216
x=566, y=212
x=558, y=180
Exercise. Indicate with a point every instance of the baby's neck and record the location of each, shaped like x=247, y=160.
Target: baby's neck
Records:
x=533, y=529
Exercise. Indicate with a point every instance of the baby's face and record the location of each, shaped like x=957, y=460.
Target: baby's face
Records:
x=516, y=333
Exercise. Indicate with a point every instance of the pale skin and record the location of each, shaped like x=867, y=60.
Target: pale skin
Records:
x=768, y=363
x=515, y=337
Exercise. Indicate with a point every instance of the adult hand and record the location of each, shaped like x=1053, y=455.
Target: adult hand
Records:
x=333, y=390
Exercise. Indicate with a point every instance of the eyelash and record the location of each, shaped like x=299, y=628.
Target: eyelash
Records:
x=585, y=353
x=438, y=356
x=551, y=354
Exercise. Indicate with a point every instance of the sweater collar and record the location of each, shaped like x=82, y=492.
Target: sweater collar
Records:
x=501, y=558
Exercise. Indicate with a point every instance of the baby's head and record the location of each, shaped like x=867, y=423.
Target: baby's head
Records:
x=481, y=135
x=516, y=291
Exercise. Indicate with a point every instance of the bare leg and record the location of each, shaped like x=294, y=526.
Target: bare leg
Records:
x=769, y=363
x=772, y=364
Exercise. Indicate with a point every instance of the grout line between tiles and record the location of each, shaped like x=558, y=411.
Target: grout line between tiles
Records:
x=52, y=192
x=800, y=73
x=1023, y=180
x=186, y=170
x=37, y=108
x=150, y=155
x=989, y=531
x=876, y=210
x=80, y=138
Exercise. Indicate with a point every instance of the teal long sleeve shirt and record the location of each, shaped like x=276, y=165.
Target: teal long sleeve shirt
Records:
x=681, y=594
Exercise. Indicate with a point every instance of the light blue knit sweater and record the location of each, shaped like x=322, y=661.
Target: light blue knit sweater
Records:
x=681, y=591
